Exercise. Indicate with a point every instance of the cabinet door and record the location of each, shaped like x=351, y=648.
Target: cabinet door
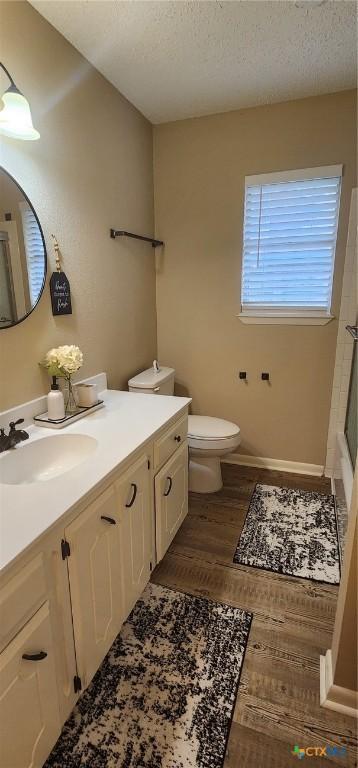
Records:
x=135, y=509
x=95, y=572
x=171, y=499
x=61, y=615
x=29, y=715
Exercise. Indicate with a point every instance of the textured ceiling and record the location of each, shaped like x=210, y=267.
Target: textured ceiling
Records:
x=182, y=59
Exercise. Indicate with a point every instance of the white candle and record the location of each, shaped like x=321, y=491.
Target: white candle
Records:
x=86, y=395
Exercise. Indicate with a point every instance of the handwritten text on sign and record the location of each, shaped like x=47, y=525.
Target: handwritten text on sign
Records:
x=60, y=294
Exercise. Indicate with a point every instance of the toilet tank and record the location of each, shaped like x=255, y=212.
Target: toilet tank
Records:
x=152, y=382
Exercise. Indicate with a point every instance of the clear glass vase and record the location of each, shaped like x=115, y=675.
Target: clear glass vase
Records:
x=70, y=402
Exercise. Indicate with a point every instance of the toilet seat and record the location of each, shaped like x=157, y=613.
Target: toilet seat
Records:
x=209, y=433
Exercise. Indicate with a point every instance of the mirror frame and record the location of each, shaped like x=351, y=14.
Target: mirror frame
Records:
x=17, y=322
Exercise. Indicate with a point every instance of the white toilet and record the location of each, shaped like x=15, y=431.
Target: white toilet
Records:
x=208, y=438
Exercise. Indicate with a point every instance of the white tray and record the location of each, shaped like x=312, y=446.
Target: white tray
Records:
x=43, y=420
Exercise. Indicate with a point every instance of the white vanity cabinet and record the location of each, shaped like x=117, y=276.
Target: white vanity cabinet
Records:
x=29, y=711
x=110, y=547
x=64, y=600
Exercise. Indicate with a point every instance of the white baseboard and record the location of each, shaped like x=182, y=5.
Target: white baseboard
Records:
x=334, y=696
x=278, y=464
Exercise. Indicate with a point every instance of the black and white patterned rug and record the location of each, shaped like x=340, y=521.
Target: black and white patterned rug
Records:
x=292, y=532
x=164, y=695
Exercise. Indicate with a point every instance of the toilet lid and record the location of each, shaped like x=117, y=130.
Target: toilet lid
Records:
x=150, y=378
x=210, y=428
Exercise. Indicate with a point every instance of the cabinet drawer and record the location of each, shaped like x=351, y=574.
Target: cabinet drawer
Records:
x=20, y=598
x=165, y=445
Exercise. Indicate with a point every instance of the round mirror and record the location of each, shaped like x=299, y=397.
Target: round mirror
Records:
x=23, y=260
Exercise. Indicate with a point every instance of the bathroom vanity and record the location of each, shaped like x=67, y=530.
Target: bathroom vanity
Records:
x=78, y=543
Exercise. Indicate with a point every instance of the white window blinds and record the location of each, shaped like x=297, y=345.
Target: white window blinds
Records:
x=290, y=232
x=34, y=251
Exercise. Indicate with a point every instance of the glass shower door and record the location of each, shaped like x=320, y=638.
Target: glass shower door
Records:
x=351, y=426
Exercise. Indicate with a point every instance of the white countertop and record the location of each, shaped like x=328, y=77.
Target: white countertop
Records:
x=126, y=423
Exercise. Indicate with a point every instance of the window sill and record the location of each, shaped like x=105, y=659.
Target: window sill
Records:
x=284, y=319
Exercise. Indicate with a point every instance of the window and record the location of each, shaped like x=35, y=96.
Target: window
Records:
x=290, y=232
x=34, y=251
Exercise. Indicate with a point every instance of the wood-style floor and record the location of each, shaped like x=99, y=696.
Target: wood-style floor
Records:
x=278, y=699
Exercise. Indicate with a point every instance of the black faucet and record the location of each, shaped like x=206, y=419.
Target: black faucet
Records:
x=14, y=437
x=4, y=441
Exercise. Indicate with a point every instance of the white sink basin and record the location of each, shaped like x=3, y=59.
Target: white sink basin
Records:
x=44, y=459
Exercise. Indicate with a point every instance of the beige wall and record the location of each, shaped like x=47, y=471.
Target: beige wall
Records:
x=199, y=170
x=91, y=170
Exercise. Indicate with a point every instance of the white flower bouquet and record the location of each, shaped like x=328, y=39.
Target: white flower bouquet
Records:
x=63, y=362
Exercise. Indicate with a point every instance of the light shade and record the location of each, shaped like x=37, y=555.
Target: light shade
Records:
x=15, y=117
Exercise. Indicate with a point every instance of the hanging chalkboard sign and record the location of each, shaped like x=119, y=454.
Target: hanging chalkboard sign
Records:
x=60, y=294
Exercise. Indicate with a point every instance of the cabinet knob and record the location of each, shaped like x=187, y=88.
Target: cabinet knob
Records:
x=131, y=502
x=166, y=493
x=177, y=438
x=34, y=656
x=109, y=519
